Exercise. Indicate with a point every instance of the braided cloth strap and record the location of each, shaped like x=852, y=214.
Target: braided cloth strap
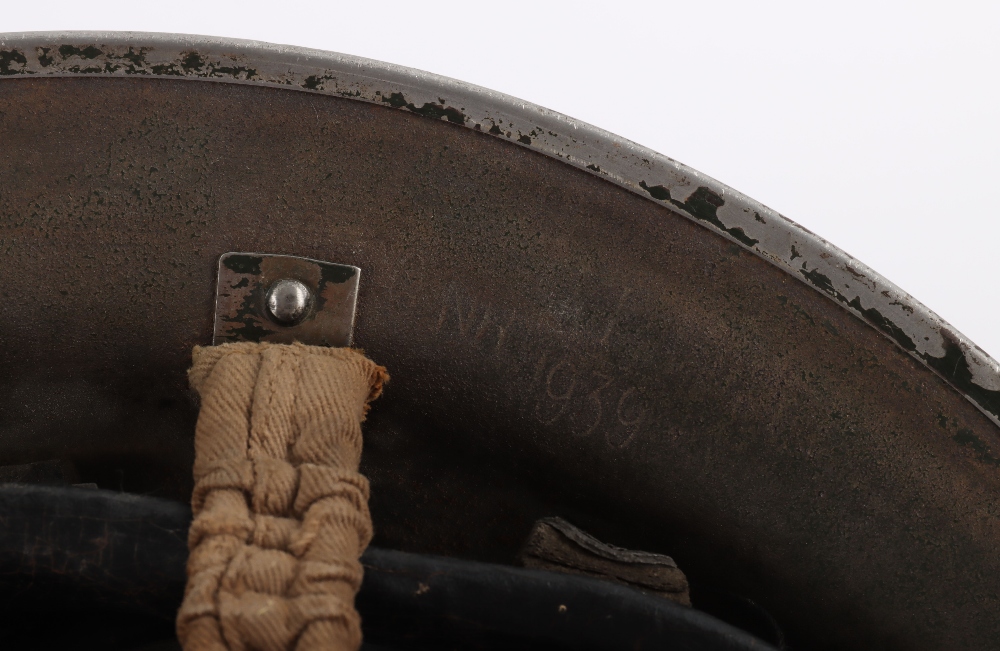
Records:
x=280, y=510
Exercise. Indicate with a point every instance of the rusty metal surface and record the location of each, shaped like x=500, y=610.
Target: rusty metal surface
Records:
x=909, y=324
x=558, y=346
x=241, y=291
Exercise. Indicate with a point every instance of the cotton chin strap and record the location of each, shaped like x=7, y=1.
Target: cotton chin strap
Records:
x=280, y=510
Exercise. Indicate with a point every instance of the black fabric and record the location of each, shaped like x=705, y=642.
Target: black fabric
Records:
x=98, y=569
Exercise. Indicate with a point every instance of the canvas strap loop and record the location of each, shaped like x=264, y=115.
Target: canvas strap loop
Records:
x=280, y=510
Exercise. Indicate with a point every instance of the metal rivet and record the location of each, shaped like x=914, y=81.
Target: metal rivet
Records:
x=288, y=301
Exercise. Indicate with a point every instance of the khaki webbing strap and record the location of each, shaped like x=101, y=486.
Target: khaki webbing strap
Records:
x=280, y=510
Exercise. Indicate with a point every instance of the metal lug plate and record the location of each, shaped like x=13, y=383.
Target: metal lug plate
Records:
x=246, y=308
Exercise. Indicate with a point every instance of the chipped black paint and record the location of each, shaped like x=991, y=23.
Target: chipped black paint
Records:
x=870, y=314
x=822, y=282
x=250, y=325
x=903, y=306
x=133, y=61
x=241, y=297
x=703, y=204
x=43, y=57
x=8, y=58
x=236, y=72
x=87, y=52
x=192, y=62
x=883, y=323
x=243, y=264
x=428, y=110
x=656, y=191
x=336, y=274
x=952, y=366
x=135, y=58
x=166, y=69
